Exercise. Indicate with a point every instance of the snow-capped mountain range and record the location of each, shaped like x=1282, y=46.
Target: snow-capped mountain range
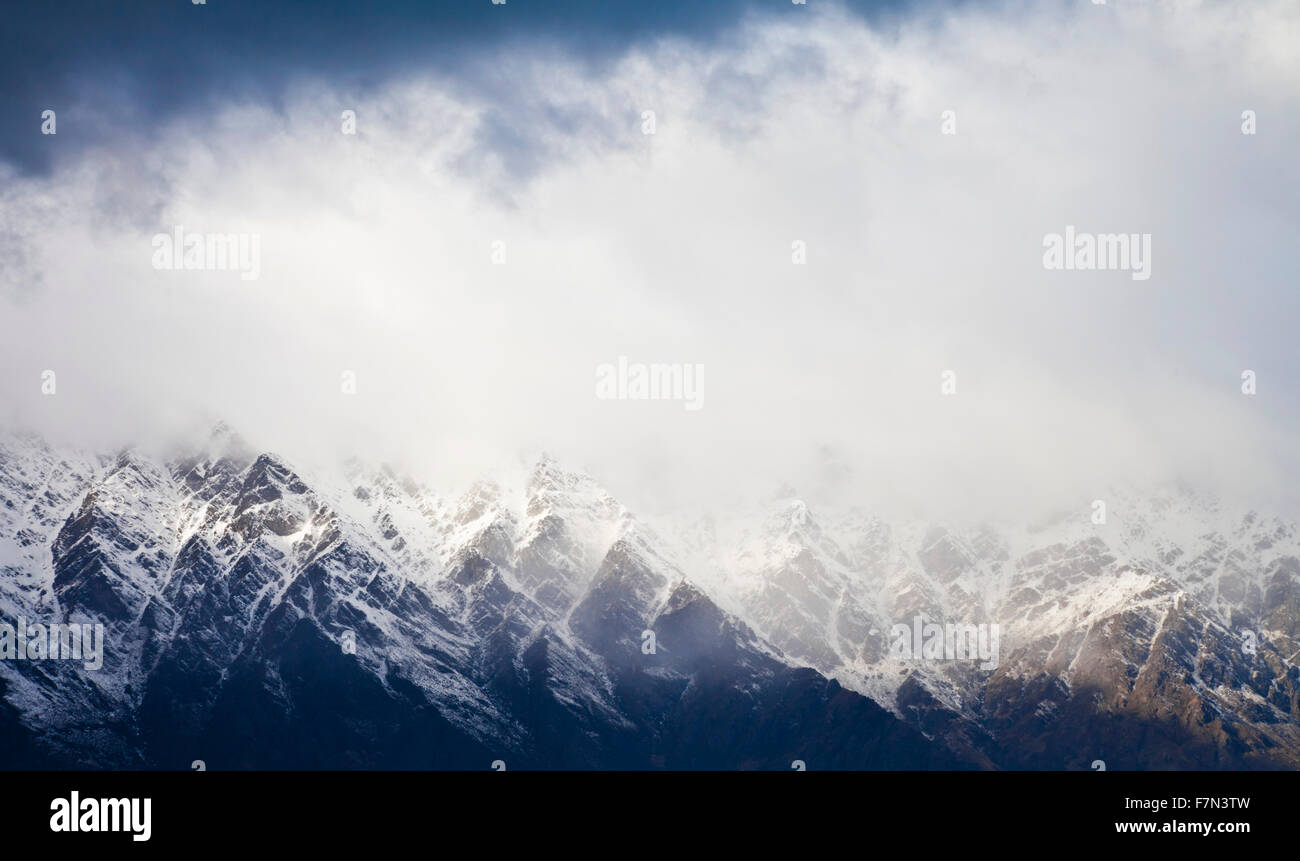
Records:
x=259, y=617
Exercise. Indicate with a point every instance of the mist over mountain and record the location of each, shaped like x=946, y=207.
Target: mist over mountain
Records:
x=259, y=617
x=472, y=255
x=897, y=385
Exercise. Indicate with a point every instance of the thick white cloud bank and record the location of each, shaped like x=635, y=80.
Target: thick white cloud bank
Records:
x=924, y=254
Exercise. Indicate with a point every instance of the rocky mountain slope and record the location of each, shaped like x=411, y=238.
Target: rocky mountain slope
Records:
x=254, y=619
x=257, y=617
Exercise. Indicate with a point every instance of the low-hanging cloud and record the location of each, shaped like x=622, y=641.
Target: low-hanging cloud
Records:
x=924, y=256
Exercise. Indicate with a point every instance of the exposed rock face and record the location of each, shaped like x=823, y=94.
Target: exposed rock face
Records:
x=255, y=617
x=1165, y=639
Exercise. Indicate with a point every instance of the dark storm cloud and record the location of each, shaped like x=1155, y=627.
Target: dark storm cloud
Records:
x=112, y=71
